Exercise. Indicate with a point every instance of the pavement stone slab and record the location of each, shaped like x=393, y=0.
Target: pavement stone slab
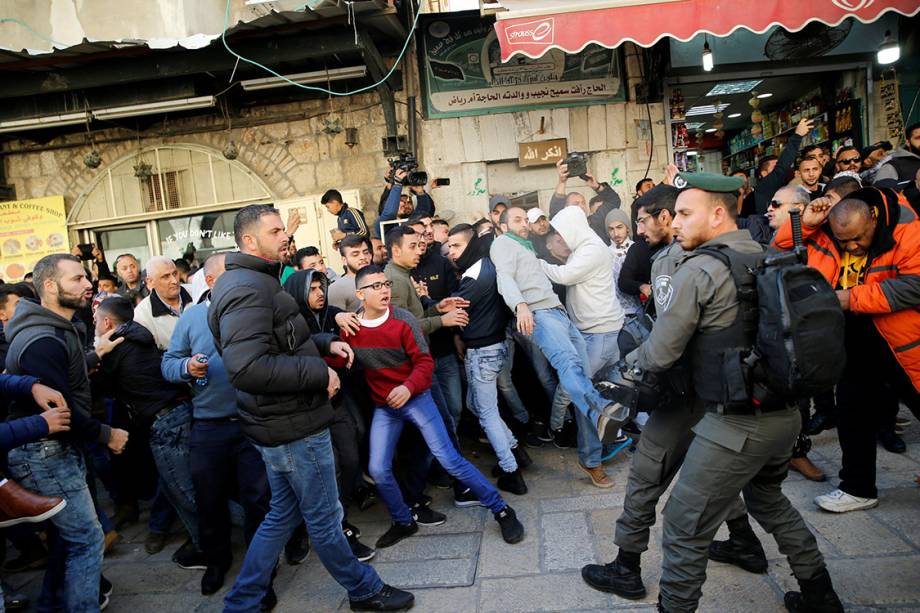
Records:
x=567, y=543
x=456, y=572
x=561, y=592
x=499, y=559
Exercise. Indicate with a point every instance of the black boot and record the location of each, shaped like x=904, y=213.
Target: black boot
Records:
x=742, y=549
x=622, y=577
x=817, y=596
x=512, y=482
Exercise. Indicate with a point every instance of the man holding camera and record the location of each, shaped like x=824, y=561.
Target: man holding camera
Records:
x=396, y=203
x=596, y=209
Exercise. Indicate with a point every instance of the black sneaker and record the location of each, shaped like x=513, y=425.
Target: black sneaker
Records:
x=748, y=556
x=545, y=435
x=425, y=516
x=33, y=559
x=155, y=542
x=105, y=586
x=532, y=440
x=365, y=497
x=269, y=601
x=512, y=482
x=212, y=580
x=297, y=548
x=190, y=557
x=512, y=529
x=891, y=441
x=466, y=499
x=523, y=458
x=615, y=578
x=561, y=439
x=361, y=551
x=387, y=599
x=441, y=480
x=103, y=601
x=396, y=533
x=355, y=529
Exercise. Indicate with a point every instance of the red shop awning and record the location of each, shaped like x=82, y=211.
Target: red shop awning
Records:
x=533, y=27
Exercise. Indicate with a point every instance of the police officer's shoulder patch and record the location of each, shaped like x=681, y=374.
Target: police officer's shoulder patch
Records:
x=663, y=292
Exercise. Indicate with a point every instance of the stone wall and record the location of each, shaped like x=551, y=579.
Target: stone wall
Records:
x=286, y=146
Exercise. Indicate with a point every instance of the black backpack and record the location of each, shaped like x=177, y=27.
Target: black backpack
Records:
x=798, y=349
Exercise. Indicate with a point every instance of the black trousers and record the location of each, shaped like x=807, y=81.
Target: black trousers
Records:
x=868, y=394
x=225, y=466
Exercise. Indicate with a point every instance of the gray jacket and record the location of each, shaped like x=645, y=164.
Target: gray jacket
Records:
x=664, y=265
x=704, y=298
x=520, y=278
x=887, y=170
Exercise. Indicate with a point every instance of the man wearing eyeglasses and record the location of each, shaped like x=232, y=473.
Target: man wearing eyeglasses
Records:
x=848, y=158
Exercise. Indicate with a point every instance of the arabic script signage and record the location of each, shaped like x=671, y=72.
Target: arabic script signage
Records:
x=30, y=230
x=464, y=74
x=542, y=152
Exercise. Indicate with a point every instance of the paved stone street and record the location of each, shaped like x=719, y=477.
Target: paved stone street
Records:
x=874, y=556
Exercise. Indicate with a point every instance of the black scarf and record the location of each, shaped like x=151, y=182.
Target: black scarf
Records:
x=475, y=250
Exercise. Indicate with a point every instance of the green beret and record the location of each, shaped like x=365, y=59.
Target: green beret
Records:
x=707, y=181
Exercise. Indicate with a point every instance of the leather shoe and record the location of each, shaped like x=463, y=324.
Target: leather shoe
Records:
x=745, y=555
x=819, y=423
x=387, y=599
x=807, y=469
x=18, y=505
x=615, y=578
x=599, y=478
x=891, y=441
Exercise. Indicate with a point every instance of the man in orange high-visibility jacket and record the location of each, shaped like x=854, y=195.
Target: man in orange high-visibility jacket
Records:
x=868, y=248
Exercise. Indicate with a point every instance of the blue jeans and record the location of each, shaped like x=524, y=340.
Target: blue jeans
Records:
x=422, y=413
x=447, y=374
x=483, y=365
x=547, y=377
x=602, y=350
x=301, y=475
x=564, y=347
x=49, y=468
x=169, y=444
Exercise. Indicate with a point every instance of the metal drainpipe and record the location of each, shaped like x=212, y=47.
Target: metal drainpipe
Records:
x=410, y=75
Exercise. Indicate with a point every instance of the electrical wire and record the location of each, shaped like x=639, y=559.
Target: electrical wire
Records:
x=223, y=38
x=23, y=24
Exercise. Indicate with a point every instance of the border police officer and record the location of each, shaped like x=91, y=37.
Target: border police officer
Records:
x=666, y=436
x=744, y=449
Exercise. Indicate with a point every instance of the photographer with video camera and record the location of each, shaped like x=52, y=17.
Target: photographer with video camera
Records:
x=606, y=200
x=395, y=204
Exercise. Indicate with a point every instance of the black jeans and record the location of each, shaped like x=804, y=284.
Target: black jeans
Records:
x=868, y=394
x=225, y=465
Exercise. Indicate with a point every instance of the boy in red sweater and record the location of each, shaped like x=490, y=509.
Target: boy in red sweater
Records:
x=398, y=367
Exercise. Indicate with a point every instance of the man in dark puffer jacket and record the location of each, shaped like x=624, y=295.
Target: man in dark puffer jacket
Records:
x=283, y=390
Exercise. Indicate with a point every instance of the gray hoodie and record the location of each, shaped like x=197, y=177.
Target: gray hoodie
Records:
x=889, y=168
x=519, y=276
x=591, y=298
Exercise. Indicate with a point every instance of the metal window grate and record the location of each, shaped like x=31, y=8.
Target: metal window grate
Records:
x=154, y=187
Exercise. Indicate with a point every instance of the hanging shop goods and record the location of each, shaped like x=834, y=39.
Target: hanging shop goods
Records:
x=533, y=27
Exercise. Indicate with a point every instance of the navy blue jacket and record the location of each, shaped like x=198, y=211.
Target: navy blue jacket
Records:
x=351, y=221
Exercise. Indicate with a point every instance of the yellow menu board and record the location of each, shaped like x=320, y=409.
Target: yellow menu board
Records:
x=30, y=230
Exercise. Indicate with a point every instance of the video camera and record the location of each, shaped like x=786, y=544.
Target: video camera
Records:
x=577, y=164
x=409, y=163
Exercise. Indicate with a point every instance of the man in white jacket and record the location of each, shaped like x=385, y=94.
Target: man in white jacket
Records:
x=594, y=308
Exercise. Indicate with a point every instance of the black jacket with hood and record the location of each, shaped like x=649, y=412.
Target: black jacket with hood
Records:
x=270, y=356
x=298, y=286
x=131, y=374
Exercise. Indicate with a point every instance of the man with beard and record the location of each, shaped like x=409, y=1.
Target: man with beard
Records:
x=356, y=255
x=487, y=350
x=901, y=168
x=283, y=391
x=46, y=342
x=810, y=174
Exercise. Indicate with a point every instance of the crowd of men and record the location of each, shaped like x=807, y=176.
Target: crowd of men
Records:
x=263, y=388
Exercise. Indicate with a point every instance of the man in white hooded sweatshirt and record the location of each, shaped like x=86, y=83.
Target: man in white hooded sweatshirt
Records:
x=594, y=308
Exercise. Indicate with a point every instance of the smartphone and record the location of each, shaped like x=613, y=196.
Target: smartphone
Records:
x=441, y=182
x=86, y=250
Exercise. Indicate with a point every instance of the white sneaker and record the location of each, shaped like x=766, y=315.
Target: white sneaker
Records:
x=839, y=501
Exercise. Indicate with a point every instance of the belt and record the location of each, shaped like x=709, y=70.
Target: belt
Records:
x=750, y=409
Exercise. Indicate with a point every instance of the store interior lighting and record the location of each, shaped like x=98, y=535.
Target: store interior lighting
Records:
x=764, y=95
x=302, y=78
x=48, y=121
x=708, y=62
x=733, y=87
x=704, y=109
x=152, y=108
x=889, y=52
x=692, y=153
x=710, y=130
x=734, y=115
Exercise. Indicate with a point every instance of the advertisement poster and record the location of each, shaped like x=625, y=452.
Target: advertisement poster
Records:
x=464, y=75
x=30, y=230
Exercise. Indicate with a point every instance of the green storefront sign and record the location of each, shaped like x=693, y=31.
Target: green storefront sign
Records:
x=463, y=73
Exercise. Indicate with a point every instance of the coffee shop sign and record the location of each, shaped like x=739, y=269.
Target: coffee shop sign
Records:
x=183, y=235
